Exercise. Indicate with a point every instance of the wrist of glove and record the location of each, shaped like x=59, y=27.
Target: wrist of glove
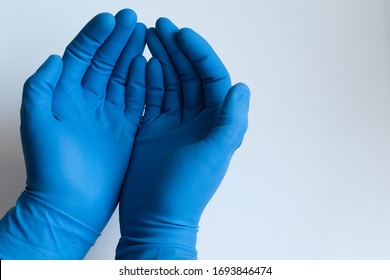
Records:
x=158, y=243
x=34, y=229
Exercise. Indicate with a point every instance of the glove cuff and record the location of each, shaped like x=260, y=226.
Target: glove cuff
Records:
x=129, y=249
x=158, y=243
x=35, y=230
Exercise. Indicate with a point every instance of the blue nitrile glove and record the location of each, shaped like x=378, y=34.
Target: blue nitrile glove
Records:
x=79, y=117
x=193, y=123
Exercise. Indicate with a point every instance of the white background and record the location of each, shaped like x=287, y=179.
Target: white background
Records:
x=312, y=178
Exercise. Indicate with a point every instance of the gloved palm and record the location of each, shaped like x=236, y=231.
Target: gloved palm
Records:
x=190, y=129
x=79, y=118
x=77, y=134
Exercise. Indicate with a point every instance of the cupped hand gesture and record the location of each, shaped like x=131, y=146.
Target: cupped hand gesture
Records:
x=79, y=118
x=193, y=122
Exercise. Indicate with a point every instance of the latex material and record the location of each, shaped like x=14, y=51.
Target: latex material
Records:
x=34, y=229
x=194, y=121
x=79, y=117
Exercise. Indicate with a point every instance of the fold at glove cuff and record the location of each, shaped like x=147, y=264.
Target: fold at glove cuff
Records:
x=35, y=230
x=130, y=249
x=157, y=241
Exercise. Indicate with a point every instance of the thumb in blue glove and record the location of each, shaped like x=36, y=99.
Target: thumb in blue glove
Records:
x=193, y=122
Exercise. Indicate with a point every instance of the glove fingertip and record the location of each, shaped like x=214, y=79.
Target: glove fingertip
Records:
x=46, y=77
x=38, y=89
x=53, y=58
x=142, y=26
x=232, y=122
x=184, y=33
x=241, y=92
x=127, y=14
x=162, y=20
x=236, y=105
x=104, y=21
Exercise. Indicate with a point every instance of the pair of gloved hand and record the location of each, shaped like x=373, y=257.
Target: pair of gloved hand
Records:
x=102, y=125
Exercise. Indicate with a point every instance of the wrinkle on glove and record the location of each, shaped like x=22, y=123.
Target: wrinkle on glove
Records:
x=35, y=230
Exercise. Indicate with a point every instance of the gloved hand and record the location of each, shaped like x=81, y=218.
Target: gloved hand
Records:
x=194, y=121
x=79, y=117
